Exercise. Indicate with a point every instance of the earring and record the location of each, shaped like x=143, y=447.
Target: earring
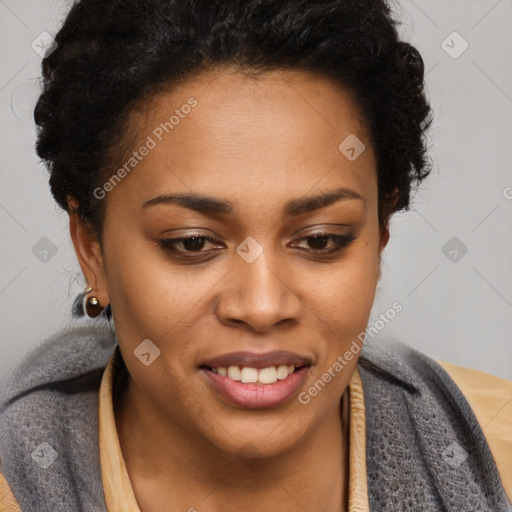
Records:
x=91, y=305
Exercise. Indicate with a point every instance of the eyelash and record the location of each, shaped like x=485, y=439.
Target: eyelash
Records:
x=341, y=242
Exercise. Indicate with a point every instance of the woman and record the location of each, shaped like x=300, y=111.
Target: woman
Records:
x=230, y=170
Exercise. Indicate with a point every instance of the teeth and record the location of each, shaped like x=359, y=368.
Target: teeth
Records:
x=234, y=372
x=268, y=375
x=249, y=375
x=282, y=372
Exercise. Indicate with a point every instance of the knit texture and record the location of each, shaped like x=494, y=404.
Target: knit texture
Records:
x=414, y=415
x=50, y=409
x=425, y=448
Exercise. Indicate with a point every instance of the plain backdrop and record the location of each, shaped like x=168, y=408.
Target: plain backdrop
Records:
x=449, y=260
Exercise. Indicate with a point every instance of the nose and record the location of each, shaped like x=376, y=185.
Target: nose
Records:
x=258, y=296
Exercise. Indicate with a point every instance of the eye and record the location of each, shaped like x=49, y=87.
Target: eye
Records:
x=191, y=244
x=326, y=243
x=192, y=247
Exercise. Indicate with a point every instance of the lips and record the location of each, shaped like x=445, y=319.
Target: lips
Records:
x=254, y=360
x=255, y=381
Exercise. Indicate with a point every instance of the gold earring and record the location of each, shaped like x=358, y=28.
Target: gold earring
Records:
x=91, y=305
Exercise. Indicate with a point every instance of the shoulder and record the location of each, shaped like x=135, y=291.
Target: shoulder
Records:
x=63, y=368
x=491, y=400
x=75, y=350
x=444, y=404
x=48, y=414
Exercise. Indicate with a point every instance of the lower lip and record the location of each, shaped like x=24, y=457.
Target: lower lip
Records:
x=257, y=396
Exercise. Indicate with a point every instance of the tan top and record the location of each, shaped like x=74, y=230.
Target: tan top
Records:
x=489, y=396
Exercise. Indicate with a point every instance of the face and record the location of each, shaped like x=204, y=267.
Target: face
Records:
x=243, y=237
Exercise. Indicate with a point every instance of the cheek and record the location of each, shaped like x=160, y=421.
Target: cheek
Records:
x=350, y=283
x=342, y=297
x=150, y=294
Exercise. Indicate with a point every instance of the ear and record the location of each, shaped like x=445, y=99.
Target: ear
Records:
x=390, y=203
x=388, y=210
x=384, y=236
x=383, y=241
x=89, y=255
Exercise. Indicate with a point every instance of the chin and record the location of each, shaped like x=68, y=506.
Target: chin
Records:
x=260, y=439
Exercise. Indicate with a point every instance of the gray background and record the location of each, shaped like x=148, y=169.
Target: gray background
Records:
x=456, y=307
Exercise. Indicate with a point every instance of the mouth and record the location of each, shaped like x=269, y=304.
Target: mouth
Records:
x=262, y=376
x=256, y=381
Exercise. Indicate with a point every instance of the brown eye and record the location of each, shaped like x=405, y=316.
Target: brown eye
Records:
x=195, y=243
x=184, y=245
x=319, y=242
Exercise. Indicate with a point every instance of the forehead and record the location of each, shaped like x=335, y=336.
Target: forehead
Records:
x=223, y=132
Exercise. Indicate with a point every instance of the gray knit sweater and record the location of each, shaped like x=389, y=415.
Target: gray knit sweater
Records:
x=425, y=449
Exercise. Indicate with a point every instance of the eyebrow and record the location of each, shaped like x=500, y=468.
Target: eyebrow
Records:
x=213, y=206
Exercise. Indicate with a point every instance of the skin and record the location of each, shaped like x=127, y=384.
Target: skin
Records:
x=257, y=143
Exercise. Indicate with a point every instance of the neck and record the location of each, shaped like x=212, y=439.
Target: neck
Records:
x=172, y=468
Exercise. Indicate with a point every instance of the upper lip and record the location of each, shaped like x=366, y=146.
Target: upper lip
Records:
x=255, y=360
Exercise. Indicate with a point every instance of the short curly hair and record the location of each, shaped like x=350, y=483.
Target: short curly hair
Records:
x=113, y=55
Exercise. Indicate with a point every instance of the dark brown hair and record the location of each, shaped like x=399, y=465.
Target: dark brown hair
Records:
x=114, y=54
